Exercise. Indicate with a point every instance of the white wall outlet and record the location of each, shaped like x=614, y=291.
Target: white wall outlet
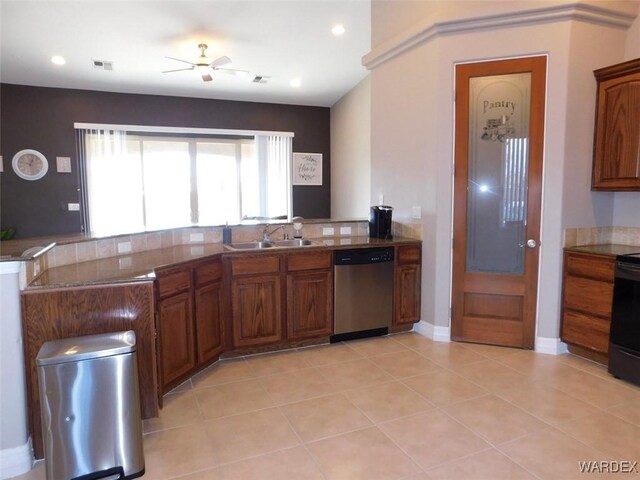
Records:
x=328, y=243
x=73, y=207
x=124, y=262
x=328, y=231
x=345, y=230
x=63, y=164
x=124, y=247
x=196, y=237
x=416, y=212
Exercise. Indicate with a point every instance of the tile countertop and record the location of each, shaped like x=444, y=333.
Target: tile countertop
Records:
x=608, y=249
x=141, y=266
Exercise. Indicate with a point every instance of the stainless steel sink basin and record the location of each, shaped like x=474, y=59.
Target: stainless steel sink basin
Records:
x=298, y=242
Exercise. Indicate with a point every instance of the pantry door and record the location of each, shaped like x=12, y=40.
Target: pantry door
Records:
x=499, y=140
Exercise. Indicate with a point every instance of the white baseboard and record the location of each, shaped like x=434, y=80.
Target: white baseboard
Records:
x=550, y=346
x=434, y=332
x=16, y=461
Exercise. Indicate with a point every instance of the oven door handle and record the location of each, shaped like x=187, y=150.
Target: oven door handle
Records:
x=628, y=271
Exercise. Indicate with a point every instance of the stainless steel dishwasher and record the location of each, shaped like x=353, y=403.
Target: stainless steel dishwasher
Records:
x=363, y=293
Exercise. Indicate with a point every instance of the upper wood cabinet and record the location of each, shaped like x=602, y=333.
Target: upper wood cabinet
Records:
x=616, y=155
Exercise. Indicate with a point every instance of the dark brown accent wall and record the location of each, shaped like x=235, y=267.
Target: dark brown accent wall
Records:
x=42, y=119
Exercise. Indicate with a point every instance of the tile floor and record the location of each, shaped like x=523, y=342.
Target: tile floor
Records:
x=398, y=407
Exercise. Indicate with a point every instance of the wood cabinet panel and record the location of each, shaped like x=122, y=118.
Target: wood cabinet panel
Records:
x=616, y=158
x=176, y=338
x=309, y=261
x=586, y=330
x=407, y=284
x=53, y=314
x=590, y=266
x=256, y=312
x=173, y=281
x=208, y=272
x=406, y=298
x=588, y=295
x=208, y=315
x=254, y=264
x=309, y=304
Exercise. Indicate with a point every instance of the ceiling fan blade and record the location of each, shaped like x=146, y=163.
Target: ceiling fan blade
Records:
x=207, y=78
x=233, y=71
x=178, y=70
x=180, y=60
x=218, y=62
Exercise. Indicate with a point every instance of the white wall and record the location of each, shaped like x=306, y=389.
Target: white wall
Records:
x=351, y=153
x=412, y=131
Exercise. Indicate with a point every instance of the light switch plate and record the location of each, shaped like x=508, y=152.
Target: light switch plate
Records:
x=73, y=207
x=124, y=247
x=63, y=164
x=416, y=212
x=328, y=231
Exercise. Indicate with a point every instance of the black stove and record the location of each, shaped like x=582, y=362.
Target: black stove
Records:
x=624, y=340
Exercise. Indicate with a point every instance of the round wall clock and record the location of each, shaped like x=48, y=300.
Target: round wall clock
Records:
x=30, y=164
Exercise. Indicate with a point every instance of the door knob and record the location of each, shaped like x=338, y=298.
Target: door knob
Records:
x=531, y=243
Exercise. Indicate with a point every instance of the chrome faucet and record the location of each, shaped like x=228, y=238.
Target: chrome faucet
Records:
x=266, y=234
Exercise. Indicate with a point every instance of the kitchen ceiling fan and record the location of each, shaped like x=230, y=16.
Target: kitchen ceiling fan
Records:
x=204, y=63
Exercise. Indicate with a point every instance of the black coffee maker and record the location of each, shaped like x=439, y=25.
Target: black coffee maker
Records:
x=380, y=221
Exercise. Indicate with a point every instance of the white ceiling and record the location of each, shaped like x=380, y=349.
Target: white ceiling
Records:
x=280, y=39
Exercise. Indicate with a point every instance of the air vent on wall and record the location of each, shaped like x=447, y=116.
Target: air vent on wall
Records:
x=260, y=79
x=102, y=65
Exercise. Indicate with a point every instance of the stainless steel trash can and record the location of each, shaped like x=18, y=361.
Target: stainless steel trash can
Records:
x=90, y=407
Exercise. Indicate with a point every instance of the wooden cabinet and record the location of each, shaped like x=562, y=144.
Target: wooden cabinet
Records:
x=616, y=156
x=256, y=313
x=189, y=320
x=309, y=295
x=407, y=284
x=587, y=294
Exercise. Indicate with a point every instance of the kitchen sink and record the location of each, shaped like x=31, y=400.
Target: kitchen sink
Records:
x=298, y=242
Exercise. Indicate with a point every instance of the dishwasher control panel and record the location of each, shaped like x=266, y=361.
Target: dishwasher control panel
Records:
x=362, y=256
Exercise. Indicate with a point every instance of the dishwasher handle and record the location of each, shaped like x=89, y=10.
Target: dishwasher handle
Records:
x=363, y=256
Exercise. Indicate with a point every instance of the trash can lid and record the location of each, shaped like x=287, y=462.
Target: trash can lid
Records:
x=75, y=349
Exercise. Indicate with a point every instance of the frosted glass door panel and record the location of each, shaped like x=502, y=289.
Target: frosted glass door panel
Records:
x=497, y=178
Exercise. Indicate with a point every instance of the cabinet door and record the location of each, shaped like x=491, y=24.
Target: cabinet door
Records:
x=309, y=304
x=208, y=302
x=176, y=339
x=616, y=159
x=407, y=294
x=255, y=305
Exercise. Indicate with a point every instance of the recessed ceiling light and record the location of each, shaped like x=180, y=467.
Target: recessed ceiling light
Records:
x=58, y=60
x=296, y=82
x=337, y=29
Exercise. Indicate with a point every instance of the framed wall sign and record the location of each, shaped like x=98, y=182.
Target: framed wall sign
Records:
x=307, y=168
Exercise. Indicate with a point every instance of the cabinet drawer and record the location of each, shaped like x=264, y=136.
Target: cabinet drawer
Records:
x=308, y=261
x=208, y=272
x=586, y=295
x=255, y=264
x=585, y=331
x=173, y=281
x=590, y=266
x=409, y=254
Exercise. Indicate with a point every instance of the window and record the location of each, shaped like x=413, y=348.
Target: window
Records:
x=139, y=181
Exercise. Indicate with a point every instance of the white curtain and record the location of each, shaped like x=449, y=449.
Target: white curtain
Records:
x=113, y=192
x=278, y=178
